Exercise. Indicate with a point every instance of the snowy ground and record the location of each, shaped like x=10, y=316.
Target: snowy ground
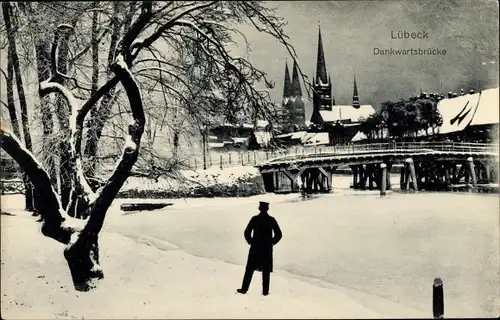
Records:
x=208, y=177
x=350, y=254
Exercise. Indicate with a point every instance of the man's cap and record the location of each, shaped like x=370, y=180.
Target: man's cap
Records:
x=264, y=203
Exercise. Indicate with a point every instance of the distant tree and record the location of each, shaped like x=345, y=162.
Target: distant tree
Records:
x=372, y=126
x=430, y=116
x=405, y=118
x=176, y=48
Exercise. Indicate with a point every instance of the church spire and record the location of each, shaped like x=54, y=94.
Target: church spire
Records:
x=320, y=62
x=296, y=90
x=355, y=96
x=287, y=88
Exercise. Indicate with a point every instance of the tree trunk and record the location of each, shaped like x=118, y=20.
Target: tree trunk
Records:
x=95, y=48
x=83, y=254
x=63, y=111
x=10, y=100
x=14, y=59
x=43, y=68
x=99, y=116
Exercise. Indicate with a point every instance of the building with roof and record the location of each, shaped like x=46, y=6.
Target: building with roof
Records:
x=470, y=117
x=339, y=122
x=293, y=108
x=227, y=136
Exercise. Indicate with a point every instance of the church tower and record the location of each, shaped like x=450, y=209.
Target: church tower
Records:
x=293, y=105
x=322, y=85
x=287, y=87
x=355, y=96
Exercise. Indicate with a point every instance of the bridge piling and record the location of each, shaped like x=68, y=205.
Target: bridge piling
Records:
x=472, y=172
x=354, y=170
x=388, y=176
x=383, y=179
x=430, y=168
x=487, y=170
x=411, y=166
x=402, y=179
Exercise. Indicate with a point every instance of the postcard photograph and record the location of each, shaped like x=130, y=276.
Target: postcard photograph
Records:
x=249, y=159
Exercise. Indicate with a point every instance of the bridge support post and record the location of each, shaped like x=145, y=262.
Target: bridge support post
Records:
x=487, y=169
x=472, y=171
x=276, y=181
x=402, y=178
x=383, y=179
x=446, y=174
x=268, y=179
x=388, y=176
x=413, y=175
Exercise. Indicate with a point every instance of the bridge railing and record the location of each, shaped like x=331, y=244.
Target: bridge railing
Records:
x=251, y=158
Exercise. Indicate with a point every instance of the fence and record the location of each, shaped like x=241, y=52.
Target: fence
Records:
x=252, y=158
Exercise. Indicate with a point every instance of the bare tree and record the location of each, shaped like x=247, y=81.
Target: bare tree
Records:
x=176, y=49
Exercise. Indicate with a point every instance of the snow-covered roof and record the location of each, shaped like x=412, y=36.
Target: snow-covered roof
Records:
x=298, y=135
x=284, y=135
x=239, y=140
x=347, y=112
x=263, y=137
x=488, y=111
x=470, y=109
x=262, y=123
x=216, y=144
x=315, y=138
x=359, y=136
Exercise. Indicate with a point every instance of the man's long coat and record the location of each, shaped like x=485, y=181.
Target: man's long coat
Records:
x=260, y=256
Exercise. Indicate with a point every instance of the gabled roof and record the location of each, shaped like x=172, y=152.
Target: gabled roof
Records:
x=347, y=112
x=359, y=136
x=488, y=111
x=316, y=138
x=469, y=110
x=263, y=138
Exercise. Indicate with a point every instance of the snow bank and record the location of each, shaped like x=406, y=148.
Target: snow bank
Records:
x=233, y=181
x=148, y=280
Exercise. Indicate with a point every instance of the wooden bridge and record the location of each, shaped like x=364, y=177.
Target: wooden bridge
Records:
x=428, y=166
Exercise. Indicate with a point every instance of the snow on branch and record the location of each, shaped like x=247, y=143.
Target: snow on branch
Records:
x=54, y=84
x=50, y=208
x=130, y=151
x=169, y=24
x=54, y=53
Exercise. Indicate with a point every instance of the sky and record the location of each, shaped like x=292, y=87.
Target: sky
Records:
x=353, y=31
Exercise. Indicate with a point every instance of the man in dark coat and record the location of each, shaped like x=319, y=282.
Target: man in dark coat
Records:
x=260, y=256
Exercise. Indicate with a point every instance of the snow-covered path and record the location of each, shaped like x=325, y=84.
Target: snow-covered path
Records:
x=375, y=249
